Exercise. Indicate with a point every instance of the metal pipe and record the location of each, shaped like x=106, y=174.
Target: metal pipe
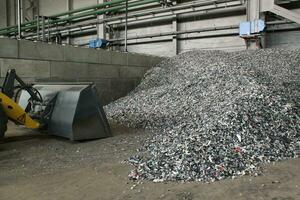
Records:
x=219, y=10
x=99, y=12
x=191, y=5
x=37, y=27
x=183, y=38
x=48, y=29
x=152, y=13
x=86, y=14
x=171, y=33
x=183, y=14
x=99, y=6
x=43, y=29
x=234, y=33
x=201, y=30
x=126, y=18
x=19, y=19
x=102, y=5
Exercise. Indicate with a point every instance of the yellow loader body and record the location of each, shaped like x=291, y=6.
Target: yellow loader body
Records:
x=16, y=113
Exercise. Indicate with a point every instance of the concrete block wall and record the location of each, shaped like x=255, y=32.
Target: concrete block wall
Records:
x=115, y=73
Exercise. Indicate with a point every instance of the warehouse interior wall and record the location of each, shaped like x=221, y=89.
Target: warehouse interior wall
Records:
x=3, y=14
x=114, y=73
x=283, y=36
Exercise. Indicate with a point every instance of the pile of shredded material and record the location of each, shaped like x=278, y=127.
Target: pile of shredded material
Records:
x=214, y=114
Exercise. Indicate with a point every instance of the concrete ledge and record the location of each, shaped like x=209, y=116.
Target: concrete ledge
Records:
x=77, y=54
x=26, y=68
x=40, y=51
x=8, y=48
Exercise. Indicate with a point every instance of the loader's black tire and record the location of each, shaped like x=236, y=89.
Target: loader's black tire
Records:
x=3, y=122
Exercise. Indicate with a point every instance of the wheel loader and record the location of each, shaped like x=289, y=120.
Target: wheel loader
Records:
x=70, y=110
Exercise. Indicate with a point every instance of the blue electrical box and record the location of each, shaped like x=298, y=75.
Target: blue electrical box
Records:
x=98, y=43
x=251, y=28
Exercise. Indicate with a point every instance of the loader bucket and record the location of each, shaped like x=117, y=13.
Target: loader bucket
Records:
x=77, y=113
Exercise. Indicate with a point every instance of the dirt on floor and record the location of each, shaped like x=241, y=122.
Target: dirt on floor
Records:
x=39, y=166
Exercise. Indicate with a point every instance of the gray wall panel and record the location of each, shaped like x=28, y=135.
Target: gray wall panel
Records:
x=3, y=13
x=51, y=7
x=290, y=39
x=83, y=3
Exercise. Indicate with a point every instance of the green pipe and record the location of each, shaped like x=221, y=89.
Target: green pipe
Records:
x=116, y=8
x=97, y=12
x=89, y=8
x=13, y=27
x=68, y=13
x=74, y=11
x=89, y=17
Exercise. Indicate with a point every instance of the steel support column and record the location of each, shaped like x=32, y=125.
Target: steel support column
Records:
x=271, y=6
x=253, y=13
x=70, y=7
x=174, y=40
x=126, y=25
x=101, y=30
x=19, y=12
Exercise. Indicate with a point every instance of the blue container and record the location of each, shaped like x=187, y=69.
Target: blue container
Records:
x=251, y=28
x=98, y=43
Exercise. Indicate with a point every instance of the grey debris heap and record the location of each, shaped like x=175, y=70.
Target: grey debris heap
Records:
x=214, y=115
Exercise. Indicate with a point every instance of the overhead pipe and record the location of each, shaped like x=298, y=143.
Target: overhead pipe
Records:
x=27, y=24
x=126, y=20
x=187, y=13
x=171, y=33
x=91, y=29
x=102, y=5
x=133, y=16
x=94, y=13
x=219, y=10
x=215, y=35
x=234, y=33
x=99, y=12
x=220, y=28
x=174, y=8
x=19, y=19
x=182, y=15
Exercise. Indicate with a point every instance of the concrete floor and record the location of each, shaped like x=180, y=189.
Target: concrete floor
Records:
x=37, y=166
